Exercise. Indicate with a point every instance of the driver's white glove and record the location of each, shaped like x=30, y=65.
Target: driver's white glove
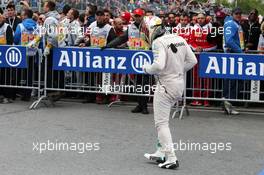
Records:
x=145, y=67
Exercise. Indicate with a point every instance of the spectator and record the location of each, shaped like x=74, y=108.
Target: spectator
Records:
x=162, y=16
x=252, y=31
x=149, y=13
x=171, y=21
x=194, y=20
x=90, y=14
x=126, y=17
x=198, y=39
x=74, y=28
x=55, y=79
x=6, y=38
x=12, y=19
x=35, y=16
x=183, y=28
x=63, y=27
x=118, y=26
x=101, y=34
x=26, y=28
x=41, y=20
x=216, y=35
x=81, y=19
x=64, y=13
x=133, y=37
x=25, y=33
x=108, y=16
x=261, y=38
x=177, y=19
x=234, y=43
x=25, y=5
x=199, y=43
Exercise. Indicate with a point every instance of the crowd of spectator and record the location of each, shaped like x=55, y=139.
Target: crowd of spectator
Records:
x=199, y=24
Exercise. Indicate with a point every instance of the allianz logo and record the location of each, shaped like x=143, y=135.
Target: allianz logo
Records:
x=232, y=66
x=13, y=57
x=84, y=59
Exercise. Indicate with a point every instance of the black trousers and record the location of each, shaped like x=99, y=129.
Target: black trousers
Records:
x=7, y=76
x=142, y=80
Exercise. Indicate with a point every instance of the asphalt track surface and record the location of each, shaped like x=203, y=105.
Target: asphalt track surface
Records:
x=123, y=138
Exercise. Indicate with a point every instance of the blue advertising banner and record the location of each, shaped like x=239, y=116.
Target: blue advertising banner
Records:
x=96, y=60
x=231, y=66
x=13, y=56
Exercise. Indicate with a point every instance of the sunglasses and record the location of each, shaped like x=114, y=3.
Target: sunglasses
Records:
x=238, y=13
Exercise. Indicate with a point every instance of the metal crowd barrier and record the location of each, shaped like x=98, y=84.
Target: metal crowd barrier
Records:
x=216, y=89
x=27, y=80
x=41, y=77
x=99, y=83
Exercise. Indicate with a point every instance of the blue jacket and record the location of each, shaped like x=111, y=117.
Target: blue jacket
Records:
x=29, y=24
x=231, y=35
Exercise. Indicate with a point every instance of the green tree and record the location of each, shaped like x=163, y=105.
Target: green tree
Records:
x=245, y=5
x=248, y=5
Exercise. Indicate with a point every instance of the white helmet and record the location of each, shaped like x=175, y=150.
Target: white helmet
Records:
x=151, y=28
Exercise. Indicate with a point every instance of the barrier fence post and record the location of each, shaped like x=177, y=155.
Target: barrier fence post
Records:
x=44, y=91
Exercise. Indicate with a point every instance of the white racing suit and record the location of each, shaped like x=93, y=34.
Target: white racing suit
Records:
x=169, y=68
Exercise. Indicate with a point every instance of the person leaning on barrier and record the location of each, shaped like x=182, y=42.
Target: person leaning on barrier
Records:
x=24, y=34
x=50, y=40
x=6, y=74
x=135, y=41
x=101, y=33
x=173, y=57
x=233, y=43
x=199, y=43
x=74, y=26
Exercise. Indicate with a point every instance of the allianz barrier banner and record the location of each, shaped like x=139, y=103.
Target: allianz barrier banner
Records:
x=96, y=60
x=13, y=56
x=231, y=66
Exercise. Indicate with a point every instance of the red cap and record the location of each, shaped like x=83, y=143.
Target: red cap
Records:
x=220, y=14
x=126, y=16
x=139, y=12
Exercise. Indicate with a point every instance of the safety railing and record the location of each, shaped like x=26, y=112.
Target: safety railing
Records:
x=119, y=73
x=20, y=68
